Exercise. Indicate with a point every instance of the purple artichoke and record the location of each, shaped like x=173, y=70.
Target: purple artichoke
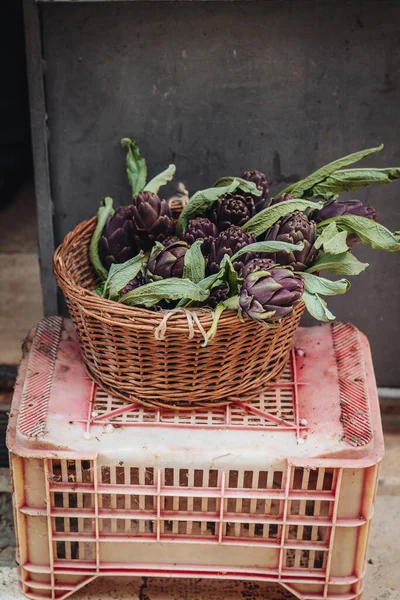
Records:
x=132, y=284
x=167, y=262
x=337, y=208
x=200, y=227
x=229, y=242
x=294, y=228
x=270, y=295
x=260, y=202
x=256, y=264
x=232, y=209
x=117, y=243
x=283, y=198
x=172, y=239
x=217, y=295
x=153, y=219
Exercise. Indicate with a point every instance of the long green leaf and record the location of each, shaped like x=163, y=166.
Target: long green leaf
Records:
x=301, y=187
x=249, y=187
x=325, y=287
x=160, y=179
x=166, y=289
x=332, y=240
x=317, y=307
x=229, y=304
x=230, y=275
x=99, y=290
x=369, y=231
x=350, y=180
x=121, y=274
x=265, y=247
x=339, y=264
x=206, y=284
x=267, y=217
x=136, y=167
x=105, y=212
x=195, y=264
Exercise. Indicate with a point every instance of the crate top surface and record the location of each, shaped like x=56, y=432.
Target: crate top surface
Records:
x=323, y=410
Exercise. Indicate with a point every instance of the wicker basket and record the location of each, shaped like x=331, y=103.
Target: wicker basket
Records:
x=124, y=354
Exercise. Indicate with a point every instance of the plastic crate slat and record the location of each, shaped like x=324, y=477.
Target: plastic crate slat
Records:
x=275, y=477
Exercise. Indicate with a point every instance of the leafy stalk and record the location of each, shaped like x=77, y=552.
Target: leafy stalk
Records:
x=369, y=231
x=167, y=289
x=105, y=212
x=304, y=188
x=120, y=275
x=229, y=304
x=265, y=247
x=161, y=179
x=344, y=263
x=194, y=263
x=317, y=307
x=136, y=167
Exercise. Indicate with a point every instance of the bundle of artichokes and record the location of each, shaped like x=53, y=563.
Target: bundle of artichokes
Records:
x=233, y=247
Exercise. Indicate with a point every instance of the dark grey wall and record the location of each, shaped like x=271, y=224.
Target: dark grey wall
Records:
x=217, y=88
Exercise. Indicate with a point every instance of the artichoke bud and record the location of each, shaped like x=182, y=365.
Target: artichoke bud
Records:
x=229, y=242
x=294, y=228
x=166, y=262
x=117, y=243
x=153, y=219
x=201, y=227
x=232, y=209
x=260, y=180
x=270, y=295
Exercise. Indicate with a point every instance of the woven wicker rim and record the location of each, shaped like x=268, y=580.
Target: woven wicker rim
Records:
x=73, y=272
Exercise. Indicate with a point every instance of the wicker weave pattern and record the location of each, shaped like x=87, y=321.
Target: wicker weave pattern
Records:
x=123, y=356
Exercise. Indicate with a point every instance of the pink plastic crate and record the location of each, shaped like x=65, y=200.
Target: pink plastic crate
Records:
x=277, y=487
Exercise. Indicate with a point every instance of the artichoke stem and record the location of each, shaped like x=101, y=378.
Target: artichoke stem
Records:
x=212, y=331
x=229, y=304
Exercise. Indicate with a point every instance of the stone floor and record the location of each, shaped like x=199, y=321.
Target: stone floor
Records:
x=20, y=293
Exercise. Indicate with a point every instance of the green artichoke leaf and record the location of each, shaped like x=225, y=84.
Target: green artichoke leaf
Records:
x=105, y=212
x=317, y=307
x=120, y=275
x=369, y=231
x=211, y=280
x=338, y=264
x=206, y=284
x=167, y=289
x=99, y=290
x=267, y=217
x=249, y=187
x=229, y=275
x=304, y=187
x=194, y=263
x=349, y=180
x=265, y=247
x=136, y=167
x=161, y=179
x=332, y=240
x=325, y=287
x=229, y=304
